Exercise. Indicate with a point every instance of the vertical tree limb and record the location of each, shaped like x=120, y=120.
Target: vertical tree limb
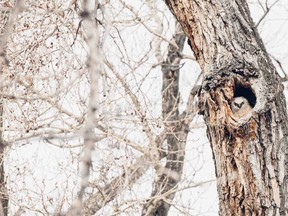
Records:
x=8, y=16
x=94, y=62
x=176, y=129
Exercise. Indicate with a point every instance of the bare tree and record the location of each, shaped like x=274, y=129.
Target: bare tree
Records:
x=8, y=16
x=99, y=99
x=65, y=85
x=243, y=105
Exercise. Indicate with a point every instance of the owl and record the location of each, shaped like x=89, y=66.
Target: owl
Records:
x=240, y=106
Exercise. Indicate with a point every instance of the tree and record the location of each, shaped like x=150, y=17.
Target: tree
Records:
x=8, y=17
x=98, y=100
x=249, y=148
x=64, y=86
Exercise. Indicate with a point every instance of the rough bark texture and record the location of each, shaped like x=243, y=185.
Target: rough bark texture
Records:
x=249, y=145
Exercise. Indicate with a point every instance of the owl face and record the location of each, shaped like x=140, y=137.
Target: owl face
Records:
x=240, y=106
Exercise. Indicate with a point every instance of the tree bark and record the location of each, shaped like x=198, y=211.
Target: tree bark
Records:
x=249, y=143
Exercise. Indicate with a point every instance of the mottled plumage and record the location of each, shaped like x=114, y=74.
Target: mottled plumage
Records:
x=240, y=106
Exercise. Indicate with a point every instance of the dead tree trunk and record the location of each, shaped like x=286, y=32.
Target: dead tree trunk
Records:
x=243, y=106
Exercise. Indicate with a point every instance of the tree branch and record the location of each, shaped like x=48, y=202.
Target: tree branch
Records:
x=177, y=130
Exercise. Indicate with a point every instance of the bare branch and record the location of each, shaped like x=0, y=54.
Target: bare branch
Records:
x=177, y=130
x=267, y=10
x=94, y=64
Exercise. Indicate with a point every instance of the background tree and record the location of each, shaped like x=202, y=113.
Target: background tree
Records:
x=50, y=51
x=99, y=111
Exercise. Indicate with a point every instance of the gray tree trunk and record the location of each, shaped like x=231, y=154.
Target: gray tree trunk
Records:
x=243, y=106
x=165, y=187
x=4, y=21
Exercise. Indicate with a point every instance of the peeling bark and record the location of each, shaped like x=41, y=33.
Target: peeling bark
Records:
x=249, y=148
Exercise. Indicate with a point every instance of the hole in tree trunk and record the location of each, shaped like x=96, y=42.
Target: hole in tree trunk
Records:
x=246, y=92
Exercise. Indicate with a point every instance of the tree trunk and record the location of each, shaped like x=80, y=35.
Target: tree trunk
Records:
x=243, y=106
x=8, y=16
x=4, y=17
x=167, y=181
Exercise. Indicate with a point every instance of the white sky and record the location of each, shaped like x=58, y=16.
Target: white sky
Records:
x=39, y=161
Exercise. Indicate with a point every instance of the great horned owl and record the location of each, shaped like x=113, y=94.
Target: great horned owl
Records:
x=240, y=106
